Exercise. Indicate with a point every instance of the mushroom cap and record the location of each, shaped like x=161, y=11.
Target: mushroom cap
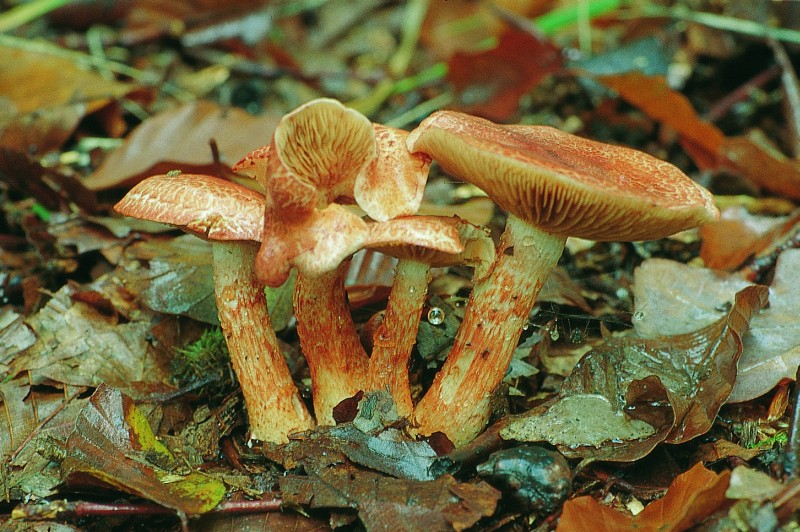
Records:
x=435, y=240
x=384, y=179
x=565, y=184
x=209, y=207
x=393, y=183
x=316, y=154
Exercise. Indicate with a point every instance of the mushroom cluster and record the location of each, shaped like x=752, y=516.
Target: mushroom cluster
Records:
x=334, y=183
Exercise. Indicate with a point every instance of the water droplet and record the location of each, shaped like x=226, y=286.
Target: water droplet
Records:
x=638, y=315
x=554, y=334
x=435, y=316
x=525, y=326
x=411, y=290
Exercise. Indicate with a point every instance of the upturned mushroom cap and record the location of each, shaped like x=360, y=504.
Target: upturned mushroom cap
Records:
x=204, y=206
x=565, y=184
x=353, y=161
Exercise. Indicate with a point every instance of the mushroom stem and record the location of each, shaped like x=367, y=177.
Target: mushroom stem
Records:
x=274, y=406
x=336, y=359
x=397, y=334
x=457, y=402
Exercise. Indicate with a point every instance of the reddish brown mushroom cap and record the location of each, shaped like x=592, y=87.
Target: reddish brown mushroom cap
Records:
x=566, y=184
x=205, y=206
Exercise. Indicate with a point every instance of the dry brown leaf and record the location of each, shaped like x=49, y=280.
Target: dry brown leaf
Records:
x=179, y=140
x=691, y=498
x=56, y=94
x=672, y=298
x=78, y=345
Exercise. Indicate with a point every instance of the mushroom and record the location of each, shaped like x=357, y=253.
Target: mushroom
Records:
x=395, y=337
x=553, y=185
x=323, y=155
x=231, y=217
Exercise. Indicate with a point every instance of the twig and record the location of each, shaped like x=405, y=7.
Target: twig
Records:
x=721, y=107
x=78, y=509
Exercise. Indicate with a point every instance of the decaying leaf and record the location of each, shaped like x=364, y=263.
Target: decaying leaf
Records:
x=691, y=498
x=667, y=292
x=629, y=394
x=728, y=243
x=113, y=444
x=79, y=345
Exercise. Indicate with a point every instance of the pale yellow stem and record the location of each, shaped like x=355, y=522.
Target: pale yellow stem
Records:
x=274, y=406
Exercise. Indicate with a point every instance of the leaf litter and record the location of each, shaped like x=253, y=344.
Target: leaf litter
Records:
x=69, y=327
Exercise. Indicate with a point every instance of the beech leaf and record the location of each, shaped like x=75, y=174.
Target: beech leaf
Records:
x=692, y=497
x=672, y=298
x=629, y=394
x=114, y=445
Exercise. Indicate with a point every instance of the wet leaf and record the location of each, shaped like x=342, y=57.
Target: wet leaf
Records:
x=665, y=291
x=490, y=83
x=652, y=95
x=691, y=498
x=179, y=140
x=178, y=278
x=113, y=444
x=629, y=394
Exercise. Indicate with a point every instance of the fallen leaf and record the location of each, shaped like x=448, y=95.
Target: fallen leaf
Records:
x=691, y=498
x=672, y=298
x=490, y=83
x=747, y=483
x=651, y=94
x=755, y=158
x=629, y=394
x=57, y=93
x=179, y=140
x=78, y=345
x=114, y=445
x=726, y=244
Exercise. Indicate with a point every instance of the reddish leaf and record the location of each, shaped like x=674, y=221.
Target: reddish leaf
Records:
x=755, y=158
x=738, y=235
x=491, y=83
x=652, y=95
x=112, y=444
x=691, y=498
